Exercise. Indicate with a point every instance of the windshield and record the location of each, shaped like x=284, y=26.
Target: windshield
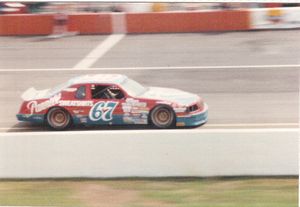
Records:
x=133, y=88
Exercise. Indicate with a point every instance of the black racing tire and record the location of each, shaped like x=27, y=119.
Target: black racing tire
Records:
x=58, y=119
x=162, y=117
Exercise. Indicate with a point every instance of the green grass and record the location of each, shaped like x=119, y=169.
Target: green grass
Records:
x=36, y=193
x=238, y=192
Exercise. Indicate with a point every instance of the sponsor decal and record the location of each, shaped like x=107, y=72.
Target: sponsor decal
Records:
x=126, y=109
x=180, y=124
x=37, y=118
x=134, y=120
x=77, y=111
x=130, y=102
x=102, y=111
x=139, y=111
x=35, y=107
x=135, y=112
x=83, y=120
x=75, y=103
x=144, y=116
x=275, y=16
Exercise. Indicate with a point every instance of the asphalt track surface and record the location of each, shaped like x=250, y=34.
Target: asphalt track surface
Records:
x=261, y=96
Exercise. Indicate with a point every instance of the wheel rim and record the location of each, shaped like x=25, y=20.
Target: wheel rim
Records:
x=58, y=118
x=162, y=117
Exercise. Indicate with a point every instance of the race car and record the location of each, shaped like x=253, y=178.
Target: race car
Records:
x=111, y=99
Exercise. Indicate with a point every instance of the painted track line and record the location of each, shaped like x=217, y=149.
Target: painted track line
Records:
x=159, y=132
x=204, y=127
x=272, y=125
x=254, y=125
x=81, y=67
x=99, y=51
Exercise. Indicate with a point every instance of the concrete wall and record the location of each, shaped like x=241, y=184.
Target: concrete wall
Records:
x=149, y=153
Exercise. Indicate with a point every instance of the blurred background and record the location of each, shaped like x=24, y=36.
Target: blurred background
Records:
x=46, y=7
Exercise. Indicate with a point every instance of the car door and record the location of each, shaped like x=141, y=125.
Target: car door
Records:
x=107, y=104
x=77, y=102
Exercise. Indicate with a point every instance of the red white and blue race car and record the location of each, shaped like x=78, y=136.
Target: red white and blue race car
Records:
x=111, y=99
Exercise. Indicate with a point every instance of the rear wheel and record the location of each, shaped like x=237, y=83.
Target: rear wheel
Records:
x=162, y=117
x=58, y=119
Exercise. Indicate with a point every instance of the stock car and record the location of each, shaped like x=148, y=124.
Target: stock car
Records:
x=111, y=99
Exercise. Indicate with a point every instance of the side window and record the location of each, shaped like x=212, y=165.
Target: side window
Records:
x=80, y=93
x=115, y=92
x=98, y=92
x=106, y=92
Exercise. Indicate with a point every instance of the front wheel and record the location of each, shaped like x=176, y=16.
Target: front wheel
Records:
x=162, y=117
x=58, y=119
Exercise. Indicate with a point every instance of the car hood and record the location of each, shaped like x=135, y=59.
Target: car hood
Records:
x=170, y=94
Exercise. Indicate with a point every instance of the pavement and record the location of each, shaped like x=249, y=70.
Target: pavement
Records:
x=248, y=79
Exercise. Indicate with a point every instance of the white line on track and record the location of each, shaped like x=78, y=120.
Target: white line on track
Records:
x=185, y=131
x=269, y=125
x=177, y=131
x=81, y=68
x=254, y=125
x=99, y=51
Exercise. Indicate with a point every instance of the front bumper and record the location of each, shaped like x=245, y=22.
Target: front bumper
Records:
x=195, y=119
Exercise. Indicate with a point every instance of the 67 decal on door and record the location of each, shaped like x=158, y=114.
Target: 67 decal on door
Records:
x=102, y=111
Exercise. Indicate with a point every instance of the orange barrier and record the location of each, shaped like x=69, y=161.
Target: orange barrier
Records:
x=188, y=21
x=27, y=24
x=31, y=24
x=90, y=23
x=42, y=24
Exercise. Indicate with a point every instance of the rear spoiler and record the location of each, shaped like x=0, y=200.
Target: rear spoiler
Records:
x=29, y=94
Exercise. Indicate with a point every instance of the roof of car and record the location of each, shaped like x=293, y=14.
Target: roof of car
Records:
x=98, y=78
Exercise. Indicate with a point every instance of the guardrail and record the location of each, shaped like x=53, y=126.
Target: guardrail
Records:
x=149, y=153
